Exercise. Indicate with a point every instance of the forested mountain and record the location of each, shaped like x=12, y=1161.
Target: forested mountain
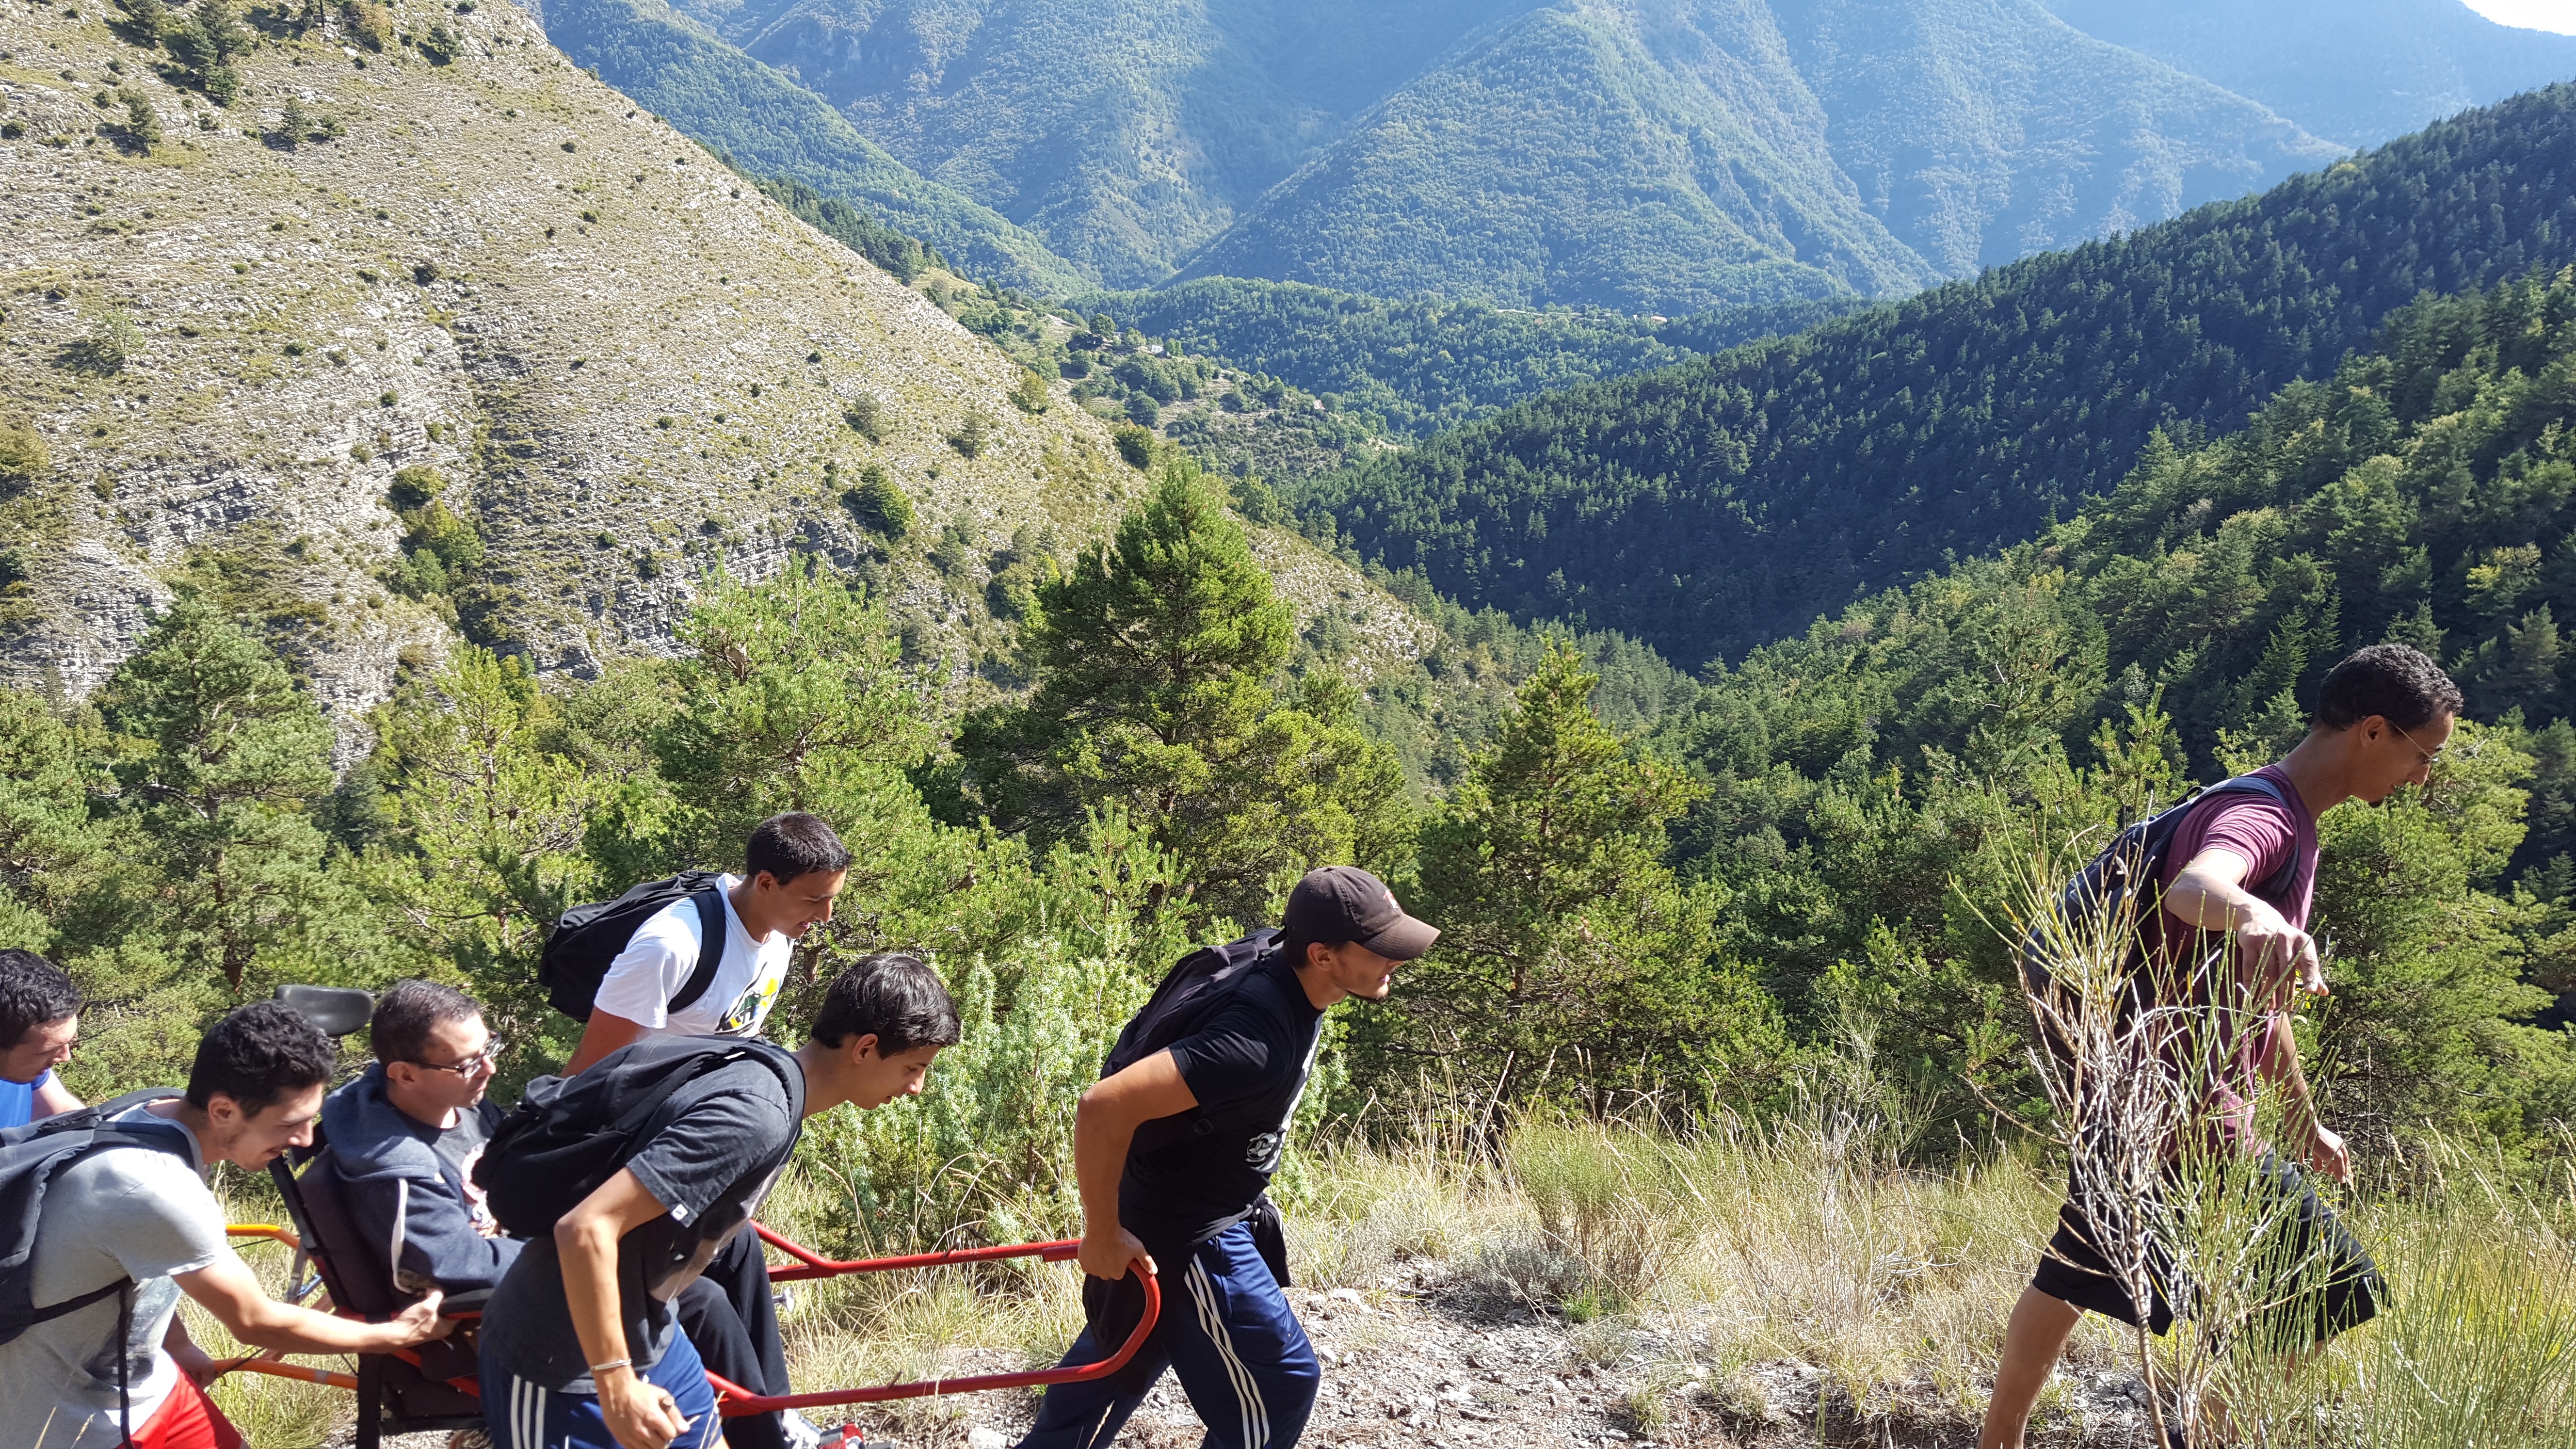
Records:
x=1425, y=363
x=1708, y=507
x=2353, y=71
x=765, y=123
x=1649, y=155
x=1662, y=155
x=1877, y=781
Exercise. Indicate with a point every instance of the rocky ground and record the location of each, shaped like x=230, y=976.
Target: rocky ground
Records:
x=1419, y=1363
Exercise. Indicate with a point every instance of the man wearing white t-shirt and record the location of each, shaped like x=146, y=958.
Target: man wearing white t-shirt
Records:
x=131, y=1228
x=792, y=868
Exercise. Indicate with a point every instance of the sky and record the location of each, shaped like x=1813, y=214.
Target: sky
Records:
x=2558, y=15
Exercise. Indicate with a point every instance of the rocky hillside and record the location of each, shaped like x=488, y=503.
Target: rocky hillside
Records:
x=428, y=334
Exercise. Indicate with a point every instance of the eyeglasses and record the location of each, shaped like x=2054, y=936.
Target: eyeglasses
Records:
x=2431, y=757
x=473, y=1066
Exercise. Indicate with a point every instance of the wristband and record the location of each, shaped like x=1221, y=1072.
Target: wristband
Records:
x=600, y=1368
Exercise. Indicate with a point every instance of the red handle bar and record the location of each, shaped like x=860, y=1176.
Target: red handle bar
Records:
x=735, y=1401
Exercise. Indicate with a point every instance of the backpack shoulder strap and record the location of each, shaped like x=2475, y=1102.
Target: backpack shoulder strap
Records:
x=2277, y=884
x=711, y=945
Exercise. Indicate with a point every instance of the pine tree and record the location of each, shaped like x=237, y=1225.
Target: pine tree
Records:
x=1570, y=957
x=218, y=757
x=1153, y=656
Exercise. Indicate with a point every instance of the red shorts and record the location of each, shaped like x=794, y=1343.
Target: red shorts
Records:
x=187, y=1419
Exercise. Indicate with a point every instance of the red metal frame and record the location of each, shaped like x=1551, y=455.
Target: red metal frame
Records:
x=735, y=1401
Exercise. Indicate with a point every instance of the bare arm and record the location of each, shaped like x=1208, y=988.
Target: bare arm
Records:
x=2210, y=893
x=640, y=1415
x=605, y=1033
x=53, y=1099
x=1102, y=1130
x=226, y=1289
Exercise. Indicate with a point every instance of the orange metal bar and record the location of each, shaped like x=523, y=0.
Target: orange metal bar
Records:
x=734, y=1401
x=815, y=1265
x=275, y=1369
x=271, y=1231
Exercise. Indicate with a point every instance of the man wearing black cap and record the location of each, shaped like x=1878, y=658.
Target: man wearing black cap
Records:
x=1227, y=1046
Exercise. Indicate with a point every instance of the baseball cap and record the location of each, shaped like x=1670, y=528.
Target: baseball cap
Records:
x=1345, y=903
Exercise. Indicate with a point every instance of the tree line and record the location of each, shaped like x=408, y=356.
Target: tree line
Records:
x=1712, y=506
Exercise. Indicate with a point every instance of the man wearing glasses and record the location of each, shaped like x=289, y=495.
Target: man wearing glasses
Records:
x=2243, y=865
x=404, y=1137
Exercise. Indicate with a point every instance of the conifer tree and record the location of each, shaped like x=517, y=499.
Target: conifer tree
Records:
x=1154, y=655
x=1569, y=954
x=218, y=755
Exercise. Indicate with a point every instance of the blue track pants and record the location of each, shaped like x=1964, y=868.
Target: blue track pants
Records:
x=519, y=1414
x=1226, y=1332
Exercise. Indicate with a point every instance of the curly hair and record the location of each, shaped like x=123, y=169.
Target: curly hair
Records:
x=2396, y=682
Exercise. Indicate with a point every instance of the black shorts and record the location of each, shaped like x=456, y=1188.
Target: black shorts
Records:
x=2344, y=1296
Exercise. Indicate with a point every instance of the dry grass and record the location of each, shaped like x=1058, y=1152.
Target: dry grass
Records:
x=1739, y=1247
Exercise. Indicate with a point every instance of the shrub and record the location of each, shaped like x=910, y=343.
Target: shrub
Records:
x=866, y=417
x=1031, y=396
x=142, y=128
x=22, y=455
x=974, y=431
x=1134, y=444
x=425, y=272
x=369, y=23
x=877, y=504
x=292, y=124
x=1143, y=411
x=439, y=46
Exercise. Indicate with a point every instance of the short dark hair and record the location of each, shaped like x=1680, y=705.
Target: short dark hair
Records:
x=258, y=1054
x=791, y=845
x=407, y=1012
x=2394, y=681
x=33, y=991
x=892, y=996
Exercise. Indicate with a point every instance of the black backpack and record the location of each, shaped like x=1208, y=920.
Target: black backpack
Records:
x=1191, y=992
x=2125, y=883
x=31, y=1157
x=569, y=1135
x=587, y=938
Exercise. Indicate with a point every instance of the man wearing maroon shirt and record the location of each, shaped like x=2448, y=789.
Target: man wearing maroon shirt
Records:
x=2244, y=862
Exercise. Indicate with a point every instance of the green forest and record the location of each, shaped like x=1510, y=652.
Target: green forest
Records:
x=1711, y=506
x=1784, y=879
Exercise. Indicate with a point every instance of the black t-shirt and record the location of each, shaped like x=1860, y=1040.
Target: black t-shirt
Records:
x=1249, y=1062
x=709, y=1155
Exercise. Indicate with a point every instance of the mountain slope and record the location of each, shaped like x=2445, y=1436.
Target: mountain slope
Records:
x=1679, y=154
x=1643, y=157
x=2357, y=71
x=473, y=345
x=1127, y=132
x=1984, y=130
x=1710, y=506
x=773, y=127
x=1651, y=155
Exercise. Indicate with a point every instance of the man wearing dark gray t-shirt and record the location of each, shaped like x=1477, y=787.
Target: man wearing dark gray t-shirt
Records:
x=581, y=1349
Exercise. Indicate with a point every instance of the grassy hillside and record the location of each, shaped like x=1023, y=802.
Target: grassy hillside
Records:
x=449, y=338
x=767, y=124
x=2356, y=71
x=1708, y=507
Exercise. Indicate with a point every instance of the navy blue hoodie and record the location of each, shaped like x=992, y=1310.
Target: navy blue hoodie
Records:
x=402, y=1193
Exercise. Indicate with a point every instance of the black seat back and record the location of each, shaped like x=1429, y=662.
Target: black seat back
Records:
x=359, y=1277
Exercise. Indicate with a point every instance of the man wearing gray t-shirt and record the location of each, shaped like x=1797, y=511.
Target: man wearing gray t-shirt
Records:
x=135, y=1215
